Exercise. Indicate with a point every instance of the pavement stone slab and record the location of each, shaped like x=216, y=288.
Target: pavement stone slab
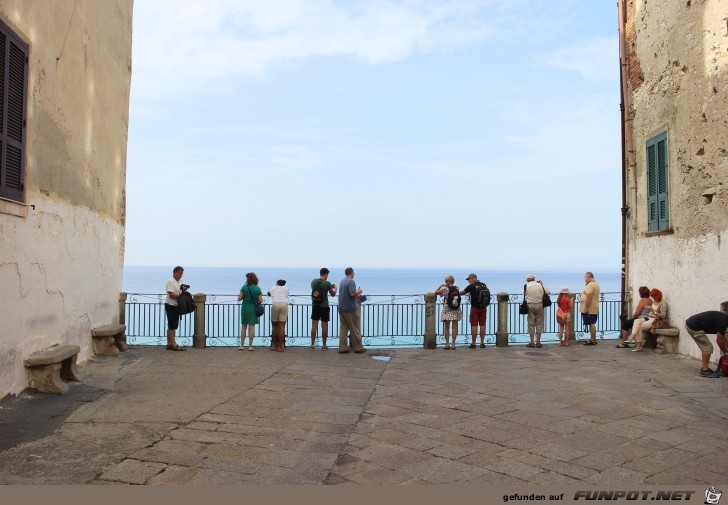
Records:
x=132, y=471
x=506, y=416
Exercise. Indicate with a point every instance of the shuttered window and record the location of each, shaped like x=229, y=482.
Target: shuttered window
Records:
x=13, y=95
x=657, y=188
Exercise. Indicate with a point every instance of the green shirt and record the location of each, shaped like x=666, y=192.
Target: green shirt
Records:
x=323, y=287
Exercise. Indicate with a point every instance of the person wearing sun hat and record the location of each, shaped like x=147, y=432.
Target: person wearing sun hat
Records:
x=534, y=296
x=563, y=316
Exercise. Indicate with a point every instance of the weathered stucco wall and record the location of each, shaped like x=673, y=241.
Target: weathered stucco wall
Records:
x=61, y=265
x=682, y=48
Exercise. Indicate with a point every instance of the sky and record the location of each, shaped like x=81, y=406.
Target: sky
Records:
x=381, y=133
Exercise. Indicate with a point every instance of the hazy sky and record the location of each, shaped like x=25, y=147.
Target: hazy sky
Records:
x=413, y=133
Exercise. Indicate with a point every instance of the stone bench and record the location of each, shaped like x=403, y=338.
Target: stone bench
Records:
x=663, y=341
x=49, y=366
x=109, y=339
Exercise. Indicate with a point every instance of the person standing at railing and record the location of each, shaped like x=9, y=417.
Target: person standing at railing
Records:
x=479, y=300
x=589, y=307
x=535, y=291
x=174, y=289
x=248, y=293
x=279, y=314
x=349, y=314
x=451, y=311
x=563, y=316
x=321, y=288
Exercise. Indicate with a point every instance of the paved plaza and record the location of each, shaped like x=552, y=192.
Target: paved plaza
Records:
x=577, y=415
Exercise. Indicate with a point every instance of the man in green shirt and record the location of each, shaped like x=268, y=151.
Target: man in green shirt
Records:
x=320, y=310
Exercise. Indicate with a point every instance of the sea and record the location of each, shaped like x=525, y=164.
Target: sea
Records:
x=374, y=281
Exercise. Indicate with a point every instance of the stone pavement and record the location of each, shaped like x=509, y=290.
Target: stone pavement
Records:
x=594, y=415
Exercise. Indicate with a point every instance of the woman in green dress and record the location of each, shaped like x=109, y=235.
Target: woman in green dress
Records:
x=248, y=293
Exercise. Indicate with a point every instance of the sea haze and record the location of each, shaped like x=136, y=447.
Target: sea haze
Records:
x=374, y=281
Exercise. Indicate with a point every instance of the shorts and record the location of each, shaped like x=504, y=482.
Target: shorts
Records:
x=172, y=312
x=279, y=312
x=535, y=317
x=477, y=315
x=589, y=319
x=627, y=324
x=704, y=344
x=320, y=313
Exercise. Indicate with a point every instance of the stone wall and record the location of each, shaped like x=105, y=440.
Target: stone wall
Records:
x=682, y=52
x=62, y=253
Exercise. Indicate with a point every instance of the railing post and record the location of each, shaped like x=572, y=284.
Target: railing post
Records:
x=199, y=340
x=121, y=342
x=430, y=337
x=572, y=321
x=501, y=334
x=122, y=307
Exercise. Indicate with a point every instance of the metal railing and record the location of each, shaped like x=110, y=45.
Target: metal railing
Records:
x=386, y=321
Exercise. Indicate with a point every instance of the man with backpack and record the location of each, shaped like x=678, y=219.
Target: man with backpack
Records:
x=479, y=301
x=320, y=310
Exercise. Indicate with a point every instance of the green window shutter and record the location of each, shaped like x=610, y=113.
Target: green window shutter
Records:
x=13, y=94
x=657, y=177
x=651, y=186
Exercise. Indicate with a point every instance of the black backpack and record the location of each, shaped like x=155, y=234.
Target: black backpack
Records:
x=481, y=296
x=453, y=298
x=185, y=303
x=316, y=295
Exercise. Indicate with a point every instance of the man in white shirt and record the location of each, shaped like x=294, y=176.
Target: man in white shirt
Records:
x=174, y=289
x=534, y=296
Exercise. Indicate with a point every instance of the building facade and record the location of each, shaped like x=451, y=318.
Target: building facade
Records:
x=675, y=76
x=66, y=73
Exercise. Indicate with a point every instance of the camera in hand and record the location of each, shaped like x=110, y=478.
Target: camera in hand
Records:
x=184, y=287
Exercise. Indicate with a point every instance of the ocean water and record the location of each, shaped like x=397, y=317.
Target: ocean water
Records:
x=374, y=281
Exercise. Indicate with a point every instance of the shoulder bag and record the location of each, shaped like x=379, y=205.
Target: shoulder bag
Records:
x=523, y=308
x=259, y=309
x=546, y=299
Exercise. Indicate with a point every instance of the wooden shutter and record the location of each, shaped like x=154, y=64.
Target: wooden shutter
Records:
x=662, y=202
x=657, y=188
x=14, y=76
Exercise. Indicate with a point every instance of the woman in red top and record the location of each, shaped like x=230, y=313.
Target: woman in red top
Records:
x=563, y=316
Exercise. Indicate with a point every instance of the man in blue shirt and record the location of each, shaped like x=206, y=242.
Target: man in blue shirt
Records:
x=349, y=314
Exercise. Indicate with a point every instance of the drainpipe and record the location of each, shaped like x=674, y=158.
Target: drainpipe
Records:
x=627, y=142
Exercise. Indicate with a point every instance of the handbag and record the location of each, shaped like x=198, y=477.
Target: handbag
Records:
x=523, y=308
x=546, y=299
x=257, y=307
x=723, y=366
x=560, y=317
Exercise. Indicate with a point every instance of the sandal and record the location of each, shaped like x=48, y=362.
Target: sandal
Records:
x=482, y=346
x=250, y=348
x=638, y=349
x=472, y=346
x=176, y=348
x=446, y=348
x=539, y=345
x=324, y=348
x=530, y=345
x=590, y=342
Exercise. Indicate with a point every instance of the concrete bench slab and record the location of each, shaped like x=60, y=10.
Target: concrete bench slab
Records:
x=49, y=368
x=109, y=340
x=663, y=340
